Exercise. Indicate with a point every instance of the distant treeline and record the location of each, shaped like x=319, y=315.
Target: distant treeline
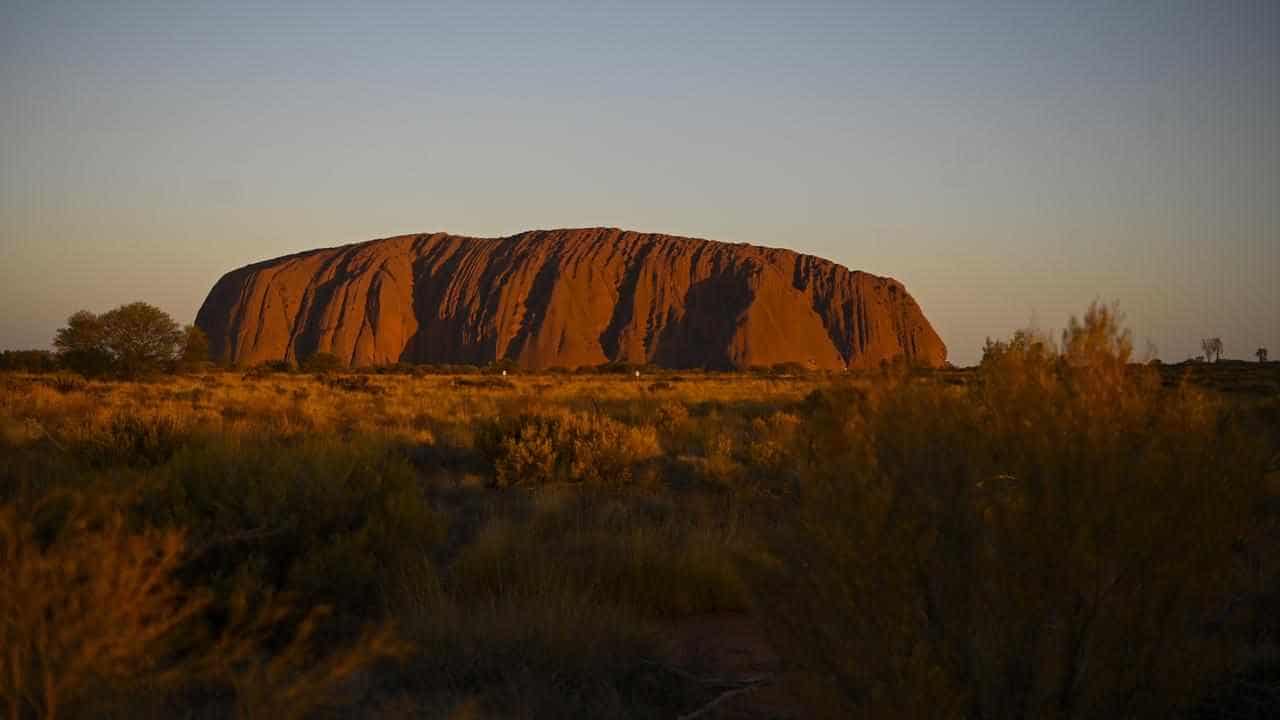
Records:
x=36, y=361
x=45, y=361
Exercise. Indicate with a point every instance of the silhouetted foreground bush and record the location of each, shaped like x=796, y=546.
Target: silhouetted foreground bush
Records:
x=1055, y=543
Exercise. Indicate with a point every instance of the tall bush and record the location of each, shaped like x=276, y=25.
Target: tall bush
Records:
x=1058, y=541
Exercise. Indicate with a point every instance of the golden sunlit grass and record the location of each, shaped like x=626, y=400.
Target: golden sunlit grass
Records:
x=1052, y=535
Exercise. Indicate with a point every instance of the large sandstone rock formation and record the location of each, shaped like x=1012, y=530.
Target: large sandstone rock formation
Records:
x=564, y=298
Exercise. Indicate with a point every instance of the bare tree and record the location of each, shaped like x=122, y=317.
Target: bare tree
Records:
x=1212, y=348
x=1262, y=354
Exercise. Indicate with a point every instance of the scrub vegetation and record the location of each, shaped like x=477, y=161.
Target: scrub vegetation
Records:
x=1058, y=533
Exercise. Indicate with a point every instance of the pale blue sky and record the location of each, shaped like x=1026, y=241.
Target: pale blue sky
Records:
x=1008, y=161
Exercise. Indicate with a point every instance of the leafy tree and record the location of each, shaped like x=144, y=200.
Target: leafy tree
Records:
x=141, y=338
x=195, y=346
x=82, y=344
x=132, y=340
x=83, y=332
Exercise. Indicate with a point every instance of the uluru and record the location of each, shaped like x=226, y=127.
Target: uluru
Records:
x=568, y=298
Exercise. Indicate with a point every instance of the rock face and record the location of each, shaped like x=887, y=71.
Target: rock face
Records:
x=564, y=298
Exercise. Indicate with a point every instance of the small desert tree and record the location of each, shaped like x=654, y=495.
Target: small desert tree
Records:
x=195, y=346
x=82, y=344
x=142, y=338
x=1212, y=348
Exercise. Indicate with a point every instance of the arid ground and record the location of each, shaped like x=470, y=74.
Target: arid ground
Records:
x=1037, y=537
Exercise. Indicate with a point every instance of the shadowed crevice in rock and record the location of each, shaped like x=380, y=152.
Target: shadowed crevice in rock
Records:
x=624, y=312
x=431, y=271
x=535, y=308
x=712, y=311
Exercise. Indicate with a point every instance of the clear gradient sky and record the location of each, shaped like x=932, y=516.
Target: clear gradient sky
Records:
x=1009, y=162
